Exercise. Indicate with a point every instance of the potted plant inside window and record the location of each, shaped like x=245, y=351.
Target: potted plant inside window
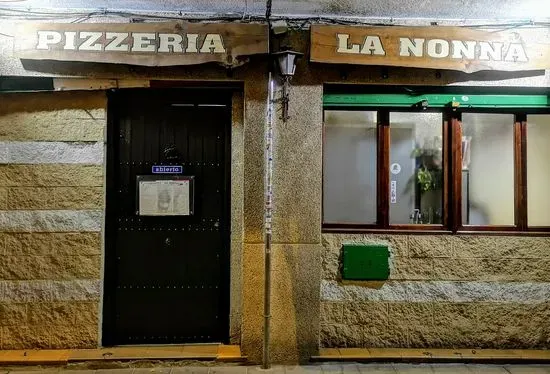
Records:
x=427, y=182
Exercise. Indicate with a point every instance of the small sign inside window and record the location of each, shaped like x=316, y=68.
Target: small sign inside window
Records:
x=393, y=192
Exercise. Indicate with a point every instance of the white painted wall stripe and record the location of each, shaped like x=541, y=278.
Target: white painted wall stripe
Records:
x=51, y=153
x=44, y=290
x=410, y=291
x=51, y=220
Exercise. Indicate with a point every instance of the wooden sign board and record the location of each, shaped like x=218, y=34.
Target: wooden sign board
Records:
x=453, y=48
x=149, y=44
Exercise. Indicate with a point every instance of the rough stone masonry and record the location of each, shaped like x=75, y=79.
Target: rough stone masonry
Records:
x=51, y=204
x=444, y=291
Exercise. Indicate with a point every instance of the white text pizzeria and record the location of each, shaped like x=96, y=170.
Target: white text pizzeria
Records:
x=130, y=42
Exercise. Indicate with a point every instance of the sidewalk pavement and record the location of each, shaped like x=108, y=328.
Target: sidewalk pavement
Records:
x=332, y=368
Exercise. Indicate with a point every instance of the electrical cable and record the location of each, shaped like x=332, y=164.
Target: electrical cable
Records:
x=125, y=14
x=294, y=22
x=268, y=6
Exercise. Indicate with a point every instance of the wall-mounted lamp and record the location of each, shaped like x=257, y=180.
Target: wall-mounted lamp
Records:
x=286, y=60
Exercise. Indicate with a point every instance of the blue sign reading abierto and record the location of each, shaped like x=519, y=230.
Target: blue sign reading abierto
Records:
x=165, y=169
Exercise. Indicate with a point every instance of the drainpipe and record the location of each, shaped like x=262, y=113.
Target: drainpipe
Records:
x=266, y=359
x=266, y=362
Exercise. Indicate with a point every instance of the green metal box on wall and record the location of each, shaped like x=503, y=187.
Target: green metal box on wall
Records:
x=365, y=262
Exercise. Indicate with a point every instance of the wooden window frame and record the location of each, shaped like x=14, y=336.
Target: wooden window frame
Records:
x=452, y=176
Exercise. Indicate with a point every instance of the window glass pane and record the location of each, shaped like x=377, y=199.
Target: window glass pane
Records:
x=488, y=169
x=538, y=171
x=349, y=174
x=416, y=168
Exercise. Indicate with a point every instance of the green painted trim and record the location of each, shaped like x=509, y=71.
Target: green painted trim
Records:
x=438, y=100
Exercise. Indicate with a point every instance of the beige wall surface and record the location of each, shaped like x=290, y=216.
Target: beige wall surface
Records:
x=51, y=187
x=456, y=282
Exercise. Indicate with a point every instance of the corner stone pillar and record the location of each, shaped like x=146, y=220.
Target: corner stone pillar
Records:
x=296, y=264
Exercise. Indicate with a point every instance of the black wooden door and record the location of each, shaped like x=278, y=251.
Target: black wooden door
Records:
x=167, y=277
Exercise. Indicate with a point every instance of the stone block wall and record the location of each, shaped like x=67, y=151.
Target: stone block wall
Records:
x=51, y=213
x=443, y=291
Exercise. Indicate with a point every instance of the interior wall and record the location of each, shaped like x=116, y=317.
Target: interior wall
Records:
x=491, y=168
x=349, y=179
x=538, y=177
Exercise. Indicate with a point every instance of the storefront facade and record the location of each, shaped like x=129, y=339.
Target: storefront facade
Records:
x=68, y=181
x=90, y=253
x=467, y=253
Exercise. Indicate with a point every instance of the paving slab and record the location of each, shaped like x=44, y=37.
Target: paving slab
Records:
x=332, y=368
x=528, y=369
x=276, y=369
x=304, y=369
x=450, y=369
x=105, y=371
x=148, y=371
x=425, y=355
x=190, y=370
x=413, y=368
x=350, y=369
x=487, y=369
x=377, y=369
x=228, y=370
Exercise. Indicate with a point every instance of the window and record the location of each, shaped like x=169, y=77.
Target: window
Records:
x=449, y=162
x=538, y=170
x=416, y=176
x=488, y=169
x=349, y=178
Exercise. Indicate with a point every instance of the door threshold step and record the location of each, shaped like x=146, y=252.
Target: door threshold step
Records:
x=196, y=352
x=433, y=355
